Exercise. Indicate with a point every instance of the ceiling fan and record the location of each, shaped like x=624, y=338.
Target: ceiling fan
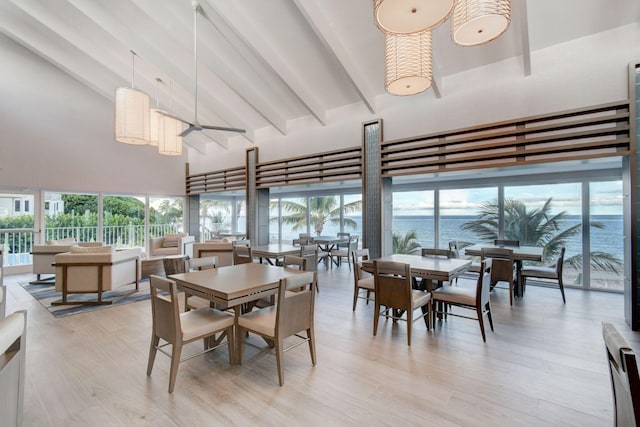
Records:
x=195, y=125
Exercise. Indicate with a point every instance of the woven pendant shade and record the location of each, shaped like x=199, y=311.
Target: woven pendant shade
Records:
x=475, y=22
x=169, y=143
x=132, y=116
x=407, y=63
x=410, y=16
x=154, y=124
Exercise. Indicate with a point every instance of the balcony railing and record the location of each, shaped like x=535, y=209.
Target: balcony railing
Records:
x=17, y=244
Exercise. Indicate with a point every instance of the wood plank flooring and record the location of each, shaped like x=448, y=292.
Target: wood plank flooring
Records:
x=543, y=366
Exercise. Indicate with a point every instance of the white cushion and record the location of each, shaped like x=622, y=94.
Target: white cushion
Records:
x=367, y=283
x=201, y=322
x=454, y=294
x=262, y=321
x=543, y=272
x=91, y=249
x=67, y=241
x=168, y=242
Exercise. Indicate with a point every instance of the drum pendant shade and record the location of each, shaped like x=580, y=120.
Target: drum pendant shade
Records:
x=169, y=143
x=132, y=116
x=154, y=124
x=476, y=22
x=407, y=63
x=410, y=16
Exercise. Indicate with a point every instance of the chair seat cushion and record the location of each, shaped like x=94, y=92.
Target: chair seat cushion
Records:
x=455, y=295
x=261, y=321
x=165, y=251
x=200, y=322
x=544, y=272
x=420, y=298
x=366, y=283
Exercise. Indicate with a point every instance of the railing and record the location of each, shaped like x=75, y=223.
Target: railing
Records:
x=17, y=244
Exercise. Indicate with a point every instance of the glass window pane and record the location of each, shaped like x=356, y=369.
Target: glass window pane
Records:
x=460, y=213
x=123, y=221
x=165, y=216
x=413, y=224
x=606, y=229
x=71, y=215
x=16, y=228
x=353, y=215
x=215, y=217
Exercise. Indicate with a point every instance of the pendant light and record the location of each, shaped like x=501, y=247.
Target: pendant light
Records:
x=476, y=22
x=132, y=113
x=169, y=130
x=154, y=117
x=407, y=63
x=410, y=16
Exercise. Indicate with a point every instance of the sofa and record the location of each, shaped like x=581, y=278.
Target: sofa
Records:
x=222, y=248
x=96, y=270
x=171, y=244
x=43, y=255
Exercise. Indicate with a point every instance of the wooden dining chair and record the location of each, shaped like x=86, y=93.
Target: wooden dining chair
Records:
x=242, y=255
x=194, y=264
x=362, y=280
x=429, y=285
x=295, y=262
x=292, y=314
x=550, y=273
x=625, y=382
x=503, y=271
x=345, y=251
x=455, y=247
x=476, y=298
x=177, y=329
x=393, y=291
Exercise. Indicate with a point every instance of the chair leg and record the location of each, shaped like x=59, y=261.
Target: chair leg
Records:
x=409, y=324
x=376, y=316
x=356, y=292
x=564, y=301
x=489, y=316
x=176, y=352
x=481, y=321
x=312, y=345
x=155, y=340
x=426, y=314
x=511, y=285
x=279, y=351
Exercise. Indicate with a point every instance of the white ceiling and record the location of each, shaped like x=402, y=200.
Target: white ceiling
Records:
x=263, y=63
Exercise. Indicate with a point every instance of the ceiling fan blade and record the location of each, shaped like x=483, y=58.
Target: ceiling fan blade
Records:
x=188, y=130
x=175, y=117
x=222, y=128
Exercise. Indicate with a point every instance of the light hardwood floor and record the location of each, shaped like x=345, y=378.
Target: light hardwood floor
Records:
x=543, y=365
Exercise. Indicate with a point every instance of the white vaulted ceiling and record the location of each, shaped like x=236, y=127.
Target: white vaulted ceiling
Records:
x=265, y=63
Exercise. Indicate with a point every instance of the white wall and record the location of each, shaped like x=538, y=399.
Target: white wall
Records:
x=55, y=133
x=581, y=73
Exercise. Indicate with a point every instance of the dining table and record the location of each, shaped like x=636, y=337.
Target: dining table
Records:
x=275, y=252
x=428, y=268
x=520, y=253
x=234, y=287
x=327, y=244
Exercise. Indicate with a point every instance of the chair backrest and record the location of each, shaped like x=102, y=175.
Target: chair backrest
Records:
x=242, y=255
x=165, y=310
x=204, y=263
x=483, y=287
x=310, y=253
x=624, y=377
x=357, y=257
x=503, y=263
x=345, y=236
x=353, y=243
x=295, y=262
x=3, y=300
x=13, y=341
x=503, y=242
x=454, y=248
x=241, y=242
x=560, y=261
x=294, y=310
x=437, y=253
x=392, y=283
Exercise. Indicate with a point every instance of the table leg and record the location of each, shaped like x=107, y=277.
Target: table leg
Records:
x=236, y=351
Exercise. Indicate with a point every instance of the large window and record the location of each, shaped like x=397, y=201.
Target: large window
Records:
x=71, y=215
x=166, y=215
x=221, y=216
x=124, y=221
x=413, y=220
x=16, y=228
x=458, y=209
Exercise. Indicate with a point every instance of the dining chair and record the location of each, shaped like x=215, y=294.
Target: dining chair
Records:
x=242, y=255
x=241, y=242
x=551, y=273
x=429, y=285
x=455, y=247
x=345, y=251
x=13, y=350
x=292, y=314
x=295, y=262
x=393, y=291
x=625, y=383
x=503, y=242
x=476, y=298
x=303, y=239
x=194, y=264
x=310, y=253
x=3, y=301
x=177, y=329
x=503, y=274
x=362, y=280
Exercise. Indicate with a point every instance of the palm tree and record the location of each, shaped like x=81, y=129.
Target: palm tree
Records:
x=322, y=210
x=169, y=212
x=405, y=244
x=537, y=227
x=215, y=211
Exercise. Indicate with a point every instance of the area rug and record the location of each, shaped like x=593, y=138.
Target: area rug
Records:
x=46, y=294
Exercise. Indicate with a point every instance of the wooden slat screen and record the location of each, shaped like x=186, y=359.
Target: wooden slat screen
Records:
x=339, y=165
x=600, y=131
x=217, y=181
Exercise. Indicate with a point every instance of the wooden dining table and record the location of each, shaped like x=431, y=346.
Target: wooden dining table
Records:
x=429, y=268
x=275, y=252
x=234, y=286
x=327, y=244
x=520, y=253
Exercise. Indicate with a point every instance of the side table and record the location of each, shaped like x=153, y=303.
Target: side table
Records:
x=174, y=264
x=152, y=265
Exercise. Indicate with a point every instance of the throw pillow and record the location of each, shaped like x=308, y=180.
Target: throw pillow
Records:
x=170, y=243
x=67, y=241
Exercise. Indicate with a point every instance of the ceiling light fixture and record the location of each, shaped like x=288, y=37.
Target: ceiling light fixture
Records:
x=407, y=63
x=132, y=113
x=154, y=117
x=410, y=16
x=169, y=130
x=476, y=22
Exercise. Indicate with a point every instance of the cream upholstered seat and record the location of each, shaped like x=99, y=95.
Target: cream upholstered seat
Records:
x=13, y=329
x=171, y=244
x=178, y=329
x=362, y=280
x=96, y=270
x=43, y=255
x=344, y=251
x=292, y=314
x=551, y=273
x=625, y=382
x=393, y=291
x=476, y=298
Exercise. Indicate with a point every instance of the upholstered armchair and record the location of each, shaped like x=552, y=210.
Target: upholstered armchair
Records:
x=171, y=244
x=13, y=341
x=96, y=270
x=43, y=255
